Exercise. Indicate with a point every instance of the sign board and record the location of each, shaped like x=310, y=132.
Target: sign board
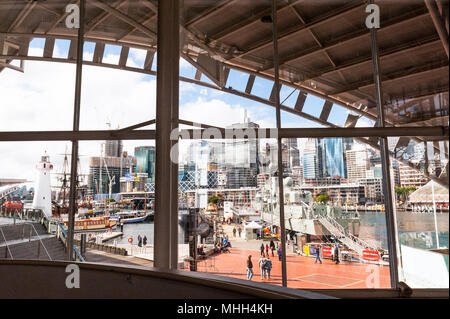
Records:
x=326, y=252
x=371, y=255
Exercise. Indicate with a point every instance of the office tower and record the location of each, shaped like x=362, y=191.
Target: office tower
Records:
x=241, y=158
x=145, y=161
x=357, y=163
x=331, y=157
x=112, y=148
x=310, y=160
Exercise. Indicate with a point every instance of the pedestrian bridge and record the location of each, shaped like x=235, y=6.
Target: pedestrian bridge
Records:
x=9, y=189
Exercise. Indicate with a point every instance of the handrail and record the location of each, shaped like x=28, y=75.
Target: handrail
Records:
x=6, y=243
x=343, y=237
x=40, y=240
x=74, y=246
x=78, y=254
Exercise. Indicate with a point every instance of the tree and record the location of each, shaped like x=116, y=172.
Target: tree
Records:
x=403, y=192
x=322, y=198
x=213, y=199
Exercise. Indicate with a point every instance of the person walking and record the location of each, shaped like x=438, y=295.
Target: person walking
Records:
x=139, y=240
x=144, y=241
x=318, y=251
x=336, y=254
x=267, y=251
x=268, y=267
x=280, y=254
x=249, y=268
x=262, y=249
x=261, y=263
x=234, y=232
x=239, y=231
x=272, y=247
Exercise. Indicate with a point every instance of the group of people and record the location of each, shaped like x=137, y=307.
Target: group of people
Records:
x=142, y=240
x=335, y=254
x=223, y=245
x=239, y=230
x=265, y=266
x=265, y=250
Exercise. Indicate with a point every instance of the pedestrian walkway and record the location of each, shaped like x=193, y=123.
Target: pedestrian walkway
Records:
x=301, y=271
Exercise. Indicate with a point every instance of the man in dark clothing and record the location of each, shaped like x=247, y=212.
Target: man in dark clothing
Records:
x=262, y=249
x=272, y=247
x=249, y=268
x=268, y=267
x=318, y=248
x=144, y=241
x=336, y=254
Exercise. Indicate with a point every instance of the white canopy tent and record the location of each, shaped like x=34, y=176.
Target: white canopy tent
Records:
x=425, y=194
x=250, y=230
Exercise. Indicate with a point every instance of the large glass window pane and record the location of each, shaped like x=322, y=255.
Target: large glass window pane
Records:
x=221, y=201
x=119, y=83
x=31, y=175
x=420, y=171
x=118, y=187
x=334, y=210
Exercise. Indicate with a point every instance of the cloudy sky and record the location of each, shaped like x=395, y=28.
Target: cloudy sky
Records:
x=41, y=98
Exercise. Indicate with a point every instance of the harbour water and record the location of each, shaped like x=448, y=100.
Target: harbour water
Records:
x=144, y=229
x=416, y=230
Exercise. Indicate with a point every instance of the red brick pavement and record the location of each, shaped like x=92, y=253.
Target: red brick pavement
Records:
x=302, y=272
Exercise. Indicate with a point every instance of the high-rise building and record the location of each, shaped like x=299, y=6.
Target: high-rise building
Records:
x=293, y=153
x=241, y=158
x=112, y=148
x=410, y=176
x=357, y=163
x=331, y=156
x=105, y=171
x=145, y=161
x=311, y=167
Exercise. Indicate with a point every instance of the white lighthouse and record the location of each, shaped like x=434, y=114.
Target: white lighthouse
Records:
x=42, y=190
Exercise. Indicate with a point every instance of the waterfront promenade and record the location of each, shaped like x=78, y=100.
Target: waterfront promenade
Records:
x=302, y=272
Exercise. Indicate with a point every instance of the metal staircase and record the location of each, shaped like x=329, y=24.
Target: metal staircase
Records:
x=352, y=242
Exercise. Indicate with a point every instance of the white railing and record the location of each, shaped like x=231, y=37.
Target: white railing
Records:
x=40, y=241
x=339, y=233
x=6, y=243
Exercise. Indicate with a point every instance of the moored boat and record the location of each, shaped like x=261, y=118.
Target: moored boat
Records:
x=94, y=223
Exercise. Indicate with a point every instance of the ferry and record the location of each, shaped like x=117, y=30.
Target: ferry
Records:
x=94, y=223
x=130, y=217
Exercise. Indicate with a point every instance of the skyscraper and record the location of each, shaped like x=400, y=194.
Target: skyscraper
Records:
x=112, y=148
x=332, y=157
x=145, y=161
x=357, y=163
x=310, y=160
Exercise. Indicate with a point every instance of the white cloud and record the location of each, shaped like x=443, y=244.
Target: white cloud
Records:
x=211, y=112
x=42, y=99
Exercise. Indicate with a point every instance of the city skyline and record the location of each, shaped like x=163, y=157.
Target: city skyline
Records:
x=43, y=95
